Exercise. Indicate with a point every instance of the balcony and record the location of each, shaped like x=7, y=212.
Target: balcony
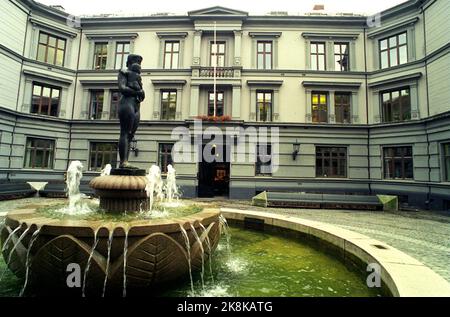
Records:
x=221, y=72
x=224, y=73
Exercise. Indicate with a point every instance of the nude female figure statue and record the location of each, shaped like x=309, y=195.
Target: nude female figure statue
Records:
x=132, y=94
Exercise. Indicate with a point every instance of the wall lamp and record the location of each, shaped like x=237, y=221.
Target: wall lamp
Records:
x=296, y=149
x=134, y=148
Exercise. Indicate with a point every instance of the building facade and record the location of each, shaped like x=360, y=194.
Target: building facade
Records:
x=361, y=104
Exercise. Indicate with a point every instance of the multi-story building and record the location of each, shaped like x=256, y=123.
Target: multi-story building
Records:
x=361, y=104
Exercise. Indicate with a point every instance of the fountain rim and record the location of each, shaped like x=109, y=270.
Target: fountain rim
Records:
x=403, y=275
x=29, y=217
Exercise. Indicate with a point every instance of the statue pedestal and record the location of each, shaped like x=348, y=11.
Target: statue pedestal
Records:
x=122, y=191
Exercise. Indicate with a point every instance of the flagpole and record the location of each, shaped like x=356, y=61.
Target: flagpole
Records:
x=215, y=67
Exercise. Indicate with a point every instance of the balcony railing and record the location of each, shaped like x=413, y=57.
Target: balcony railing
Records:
x=221, y=72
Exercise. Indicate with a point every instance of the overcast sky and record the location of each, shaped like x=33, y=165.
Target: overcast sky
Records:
x=88, y=7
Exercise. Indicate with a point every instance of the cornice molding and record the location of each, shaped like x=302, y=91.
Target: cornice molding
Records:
x=52, y=28
x=394, y=80
x=328, y=84
x=163, y=35
x=47, y=77
x=351, y=36
x=265, y=34
x=265, y=82
x=392, y=27
x=95, y=36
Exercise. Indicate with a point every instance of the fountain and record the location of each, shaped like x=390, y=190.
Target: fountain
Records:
x=113, y=255
x=122, y=250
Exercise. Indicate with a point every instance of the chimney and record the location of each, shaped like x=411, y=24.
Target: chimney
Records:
x=319, y=7
x=58, y=7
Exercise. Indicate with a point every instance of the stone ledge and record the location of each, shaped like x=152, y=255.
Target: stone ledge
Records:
x=403, y=275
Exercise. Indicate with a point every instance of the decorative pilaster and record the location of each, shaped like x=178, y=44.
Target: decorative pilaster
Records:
x=354, y=107
x=193, y=108
x=197, y=47
x=64, y=102
x=276, y=105
x=110, y=60
x=237, y=48
x=376, y=107
x=252, y=104
x=308, y=116
x=157, y=104
x=179, y=106
x=415, y=115
x=236, y=106
x=331, y=108
x=26, y=103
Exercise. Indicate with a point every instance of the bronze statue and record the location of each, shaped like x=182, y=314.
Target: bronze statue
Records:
x=132, y=94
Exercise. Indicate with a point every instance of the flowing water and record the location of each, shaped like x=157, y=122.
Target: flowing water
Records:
x=88, y=264
x=108, y=260
x=125, y=252
x=208, y=245
x=27, y=261
x=188, y=249
x=202, y=254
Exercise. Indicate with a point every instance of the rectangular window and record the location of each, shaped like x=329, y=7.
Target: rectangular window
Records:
x=165, y=156
x=102, y=153
x=331, y=161
x=217, y=54
x=342, y=102
x=318, y=56
x=39, y=153
x=96, y=105
x=215, y=107
x=45, y=100
x=122, y=52
x=168, y=104
x=264, y=105
x=264, y=54
x=51, y=49
x=398, y=162
x=115, y=98
x=396, y=105
x=100, y=55
x=263, y=166
x=446, y=159
x=319, y=104
x=171, y=54
x=341, y=57
x=393, y=50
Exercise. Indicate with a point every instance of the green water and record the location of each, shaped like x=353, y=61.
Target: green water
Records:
x=57, y=212
x=261, y=264
x=258, y=264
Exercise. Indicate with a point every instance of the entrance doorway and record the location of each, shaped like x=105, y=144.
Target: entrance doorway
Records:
x=214, y=177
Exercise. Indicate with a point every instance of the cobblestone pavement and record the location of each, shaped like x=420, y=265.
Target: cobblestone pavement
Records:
x=422, y=234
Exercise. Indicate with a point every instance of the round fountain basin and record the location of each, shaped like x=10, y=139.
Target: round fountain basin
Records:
x=156, y=251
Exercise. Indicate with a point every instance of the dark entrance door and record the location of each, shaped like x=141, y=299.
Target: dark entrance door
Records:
x=214, y=177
